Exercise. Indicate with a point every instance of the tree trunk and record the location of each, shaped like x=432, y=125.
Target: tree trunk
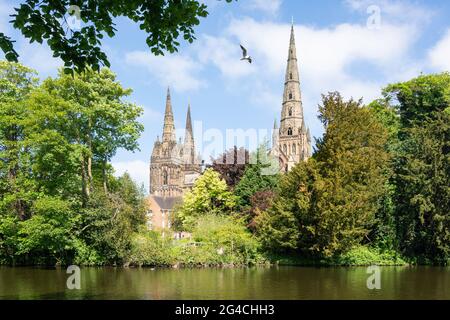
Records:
x=84, y=186
x=105, y=182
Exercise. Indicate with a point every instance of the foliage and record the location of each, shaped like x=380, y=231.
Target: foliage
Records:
x=209, y=195
x=258, y=176
x=16, y=189
x=259, y=202
x=328, y=204
x=218, y=240
x=150, y=249
x=163, y=22
x=59, y=202
x=422, y=167
x=356, y=256
x=49, y=232
x=231, y=165
x=365, y=256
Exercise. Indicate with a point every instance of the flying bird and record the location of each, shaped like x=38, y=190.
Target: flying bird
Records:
x=245, y=56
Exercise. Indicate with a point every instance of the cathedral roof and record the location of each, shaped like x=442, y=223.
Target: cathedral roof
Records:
x=167, y=203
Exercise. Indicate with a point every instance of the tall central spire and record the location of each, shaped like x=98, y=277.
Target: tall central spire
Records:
x=169, y=125
x=292, y=111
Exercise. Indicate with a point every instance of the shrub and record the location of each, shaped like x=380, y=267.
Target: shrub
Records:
x=218, y=240
x=150, y=249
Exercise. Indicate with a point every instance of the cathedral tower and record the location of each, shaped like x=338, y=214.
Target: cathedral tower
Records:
x=292, y=142
x=173, y=168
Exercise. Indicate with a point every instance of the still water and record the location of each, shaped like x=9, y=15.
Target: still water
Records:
x=245, y=283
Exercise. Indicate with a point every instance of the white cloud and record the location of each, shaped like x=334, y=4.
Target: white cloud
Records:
x=326, y=56
x=323, y=51
x=39, y=57
x=439, y=55
x=224, y=54
x=175, y=70
x=271, y=7
x=137, y=169
x=399, y=11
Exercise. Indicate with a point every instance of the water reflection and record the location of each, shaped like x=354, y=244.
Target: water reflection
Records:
x=244, y=283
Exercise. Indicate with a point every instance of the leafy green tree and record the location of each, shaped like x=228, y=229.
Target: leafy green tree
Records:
x=163, y=20
x=109, y=221
x=56, y=141
x=278, y=228
x=328, y=204
x=258, y=176
x=209, y=195
x=96, y=119
x=384, y=233
x=16, y=83
x=422, y=166
x=47, y=237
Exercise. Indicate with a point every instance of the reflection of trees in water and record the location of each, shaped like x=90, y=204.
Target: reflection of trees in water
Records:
x=226, y=283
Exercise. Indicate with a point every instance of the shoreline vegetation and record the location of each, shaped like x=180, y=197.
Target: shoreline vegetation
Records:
x=375, y=190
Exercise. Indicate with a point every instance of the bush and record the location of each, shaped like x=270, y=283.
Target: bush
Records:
x=218, y=240
x=150, y=249
x=362, y=255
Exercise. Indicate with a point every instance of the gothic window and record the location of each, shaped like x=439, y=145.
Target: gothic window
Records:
x=286, y=168
x=285, y=149
x=289, y=131
x=165, y=177
x=290, y=95
x=294, y=151
x=290, y=75
x=290, y=111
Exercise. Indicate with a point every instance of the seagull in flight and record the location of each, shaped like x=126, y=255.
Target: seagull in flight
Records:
x=245, y=56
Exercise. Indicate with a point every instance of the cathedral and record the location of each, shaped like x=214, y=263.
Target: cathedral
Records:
x=174, y=166
x=291, y=142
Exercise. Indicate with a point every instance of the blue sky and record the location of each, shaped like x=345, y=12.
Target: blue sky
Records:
x=336, y=46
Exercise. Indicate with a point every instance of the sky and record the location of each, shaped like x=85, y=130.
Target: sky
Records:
x=353, y=46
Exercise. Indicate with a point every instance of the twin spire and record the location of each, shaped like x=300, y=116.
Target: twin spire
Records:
x=169, y=123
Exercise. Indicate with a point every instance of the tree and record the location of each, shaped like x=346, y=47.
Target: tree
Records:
x=96, y=119
x=259, y=202
x=258, y=176
x=209, y=195
x=231, y=165
x=384, y=233
x=56, y=141
x=328, y=204
x=47, y=20
x=422, y=166
x=16, y=83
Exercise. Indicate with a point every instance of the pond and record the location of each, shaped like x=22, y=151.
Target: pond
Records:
x=226, y=283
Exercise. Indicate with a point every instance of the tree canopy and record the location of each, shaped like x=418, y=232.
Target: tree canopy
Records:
x=164, y=21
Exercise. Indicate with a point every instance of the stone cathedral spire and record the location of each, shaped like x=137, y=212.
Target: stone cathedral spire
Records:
x=189, y=139
x=292, y=110
x=292, y=144
x=169, y=124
